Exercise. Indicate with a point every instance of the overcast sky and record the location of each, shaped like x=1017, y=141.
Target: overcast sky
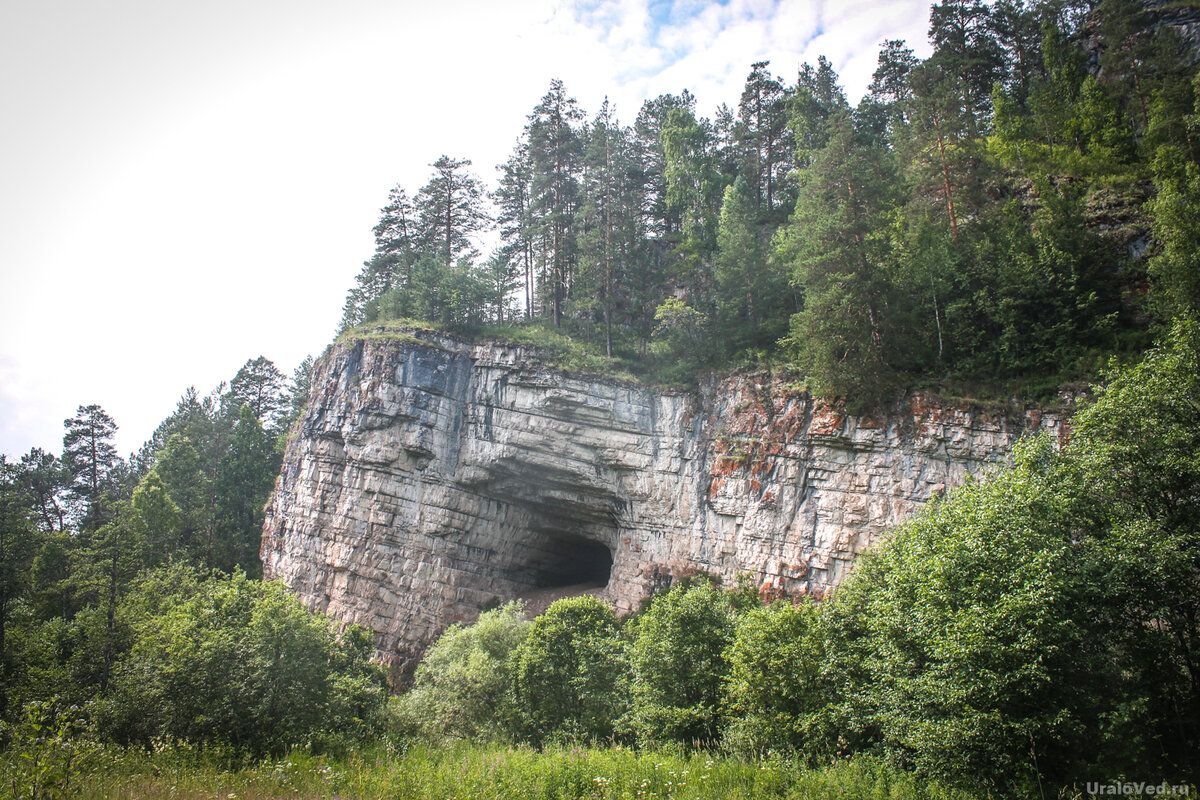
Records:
x=186, y=185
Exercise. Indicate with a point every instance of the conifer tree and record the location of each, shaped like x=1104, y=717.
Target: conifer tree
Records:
x=243, y=483
x=694, y=190
x=514, y=216
x=91, y=461
x=555, y=150
x=157, y=520
x=763, y=135
x=845, y=338
x=749, y=288
x=44, y=479
x=450, y=210
x=298, y=389
x=260, y=385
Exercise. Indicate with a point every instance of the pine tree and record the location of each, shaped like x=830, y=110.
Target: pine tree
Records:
x=44, y=479
x=661, y=219
x=763, y=135
x=502, y=278
x=18, y=545
x=817, y=98
x=260, y=385
x=606, y=220
x=968, y=60
x=450, y=210
x=91, y=461
x=845, y=338
x=298, y=390
x=244, y=481
x=890, y=87
x=188, y=478
x=156, y=518
x=694, y=190
x=515, y=218
x=390, y=268
x=745, y=289
x=555, y=150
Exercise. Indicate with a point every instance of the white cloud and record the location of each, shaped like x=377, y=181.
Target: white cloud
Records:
x=186, y=186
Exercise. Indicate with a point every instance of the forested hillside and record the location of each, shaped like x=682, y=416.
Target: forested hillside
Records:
x=1007, y=212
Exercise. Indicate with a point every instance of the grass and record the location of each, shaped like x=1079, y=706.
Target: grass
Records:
x=493, y=772
x=560, y=350
x=390, y=330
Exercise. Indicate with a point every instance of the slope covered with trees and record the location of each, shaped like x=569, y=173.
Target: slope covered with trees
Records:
x=1008, y=211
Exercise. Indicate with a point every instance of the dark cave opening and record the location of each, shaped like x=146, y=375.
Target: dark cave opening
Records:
x=565, y=559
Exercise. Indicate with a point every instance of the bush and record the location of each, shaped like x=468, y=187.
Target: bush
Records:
x=570, y=675
x=679, y=665
x=775, y=679
x=239, y=662
x=1042, y=626
x=47, y=754
x=461, y=688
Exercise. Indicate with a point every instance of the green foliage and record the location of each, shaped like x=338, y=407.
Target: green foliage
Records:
x=966, y=641
x=91, y=463
x=244, y=481
x=774, y=684
x=1176, y=268
x=187, y=477
x=157, y=519
x=976, y=220
x=850, y=338
x=18, y=548
x=232, y=661
x=48, y=754
x=1039, y=626
x=461, y=688
x=260, y=385
x=570, y=673
x=680, y=666
x=1133, y=467
x=750, y=288
x=682, y=337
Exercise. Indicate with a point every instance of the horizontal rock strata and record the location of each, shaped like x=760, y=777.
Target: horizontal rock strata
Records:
x=432, y=478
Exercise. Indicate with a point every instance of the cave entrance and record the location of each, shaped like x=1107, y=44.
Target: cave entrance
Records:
x=567, y=561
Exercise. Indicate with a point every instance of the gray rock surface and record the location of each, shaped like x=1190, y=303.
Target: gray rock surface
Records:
x=433, y=478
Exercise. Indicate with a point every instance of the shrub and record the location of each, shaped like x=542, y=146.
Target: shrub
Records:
x=679, y=665
x=570, y=675
x=774, y=683
x=461, y=688
x=239, y=662
x=1042, y=626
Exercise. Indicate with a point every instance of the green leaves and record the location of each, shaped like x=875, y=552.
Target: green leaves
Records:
x=1041, y=623
x=238, y=662
x=461, y=687
x=679, y=665
x=570, y=674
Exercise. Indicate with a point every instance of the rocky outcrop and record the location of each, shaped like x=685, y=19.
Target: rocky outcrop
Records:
x=432, y=478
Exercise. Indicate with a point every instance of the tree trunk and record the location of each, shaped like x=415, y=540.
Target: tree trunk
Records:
x=111, y=622
x=946, y=181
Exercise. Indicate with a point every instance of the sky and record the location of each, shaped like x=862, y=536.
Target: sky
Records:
x=185, y=186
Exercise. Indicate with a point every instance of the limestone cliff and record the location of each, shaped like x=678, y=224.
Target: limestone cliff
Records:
x=431, y=478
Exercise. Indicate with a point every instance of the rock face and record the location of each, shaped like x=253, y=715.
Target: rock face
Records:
x=433, y=478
